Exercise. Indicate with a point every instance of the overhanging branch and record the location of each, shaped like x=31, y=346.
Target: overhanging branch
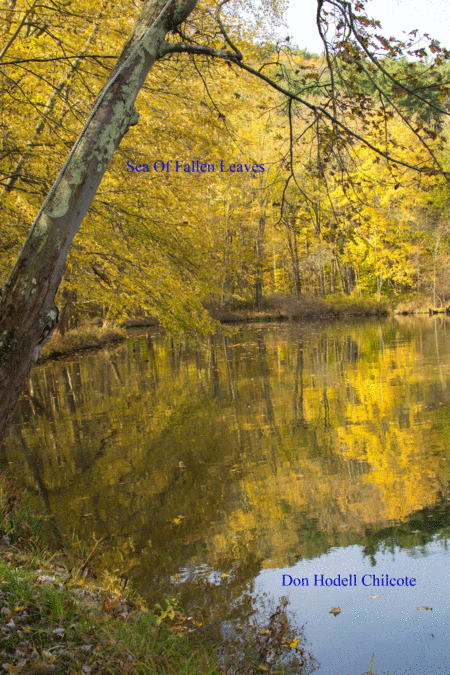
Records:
x=197, y=50
x=180, y=48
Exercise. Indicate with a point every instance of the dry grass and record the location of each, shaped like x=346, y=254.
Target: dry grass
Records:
x=414, y=304
x=86, y=336
x=279, y=308
x=336, y=305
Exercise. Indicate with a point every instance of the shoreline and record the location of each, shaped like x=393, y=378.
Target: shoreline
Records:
x=94, y=334
x=57, y=618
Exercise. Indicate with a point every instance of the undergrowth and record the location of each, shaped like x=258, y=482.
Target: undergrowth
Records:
x=86, y=336
x=56, y=619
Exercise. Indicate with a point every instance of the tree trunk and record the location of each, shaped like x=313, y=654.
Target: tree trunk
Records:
x=259, y=253
x=27, y=309
x=226, y=266
x=379, y=286
x=320, y=274
x=339, y=272
x=333, y=278
x=350, y=278
x=293, y=250
x=317, y=227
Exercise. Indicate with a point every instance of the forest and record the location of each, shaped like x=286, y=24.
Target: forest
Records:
x=299, y=203
x=178, y=162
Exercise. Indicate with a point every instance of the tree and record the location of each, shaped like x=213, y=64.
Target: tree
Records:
x=28, y=313
x=27, y=310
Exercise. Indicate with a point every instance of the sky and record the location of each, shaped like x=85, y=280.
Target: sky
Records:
x=396, y=16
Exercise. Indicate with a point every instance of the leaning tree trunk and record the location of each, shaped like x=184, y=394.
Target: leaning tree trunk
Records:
x=27, y=309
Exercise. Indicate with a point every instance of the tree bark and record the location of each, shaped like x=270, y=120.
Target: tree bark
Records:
x=259, y=254
x=293, y=250
x=27, y=309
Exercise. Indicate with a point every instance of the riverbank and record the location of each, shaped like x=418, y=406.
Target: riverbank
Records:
x=56, y=618
x=96, y=333
x=91, y=335
x=334, y=306
x=303, y=307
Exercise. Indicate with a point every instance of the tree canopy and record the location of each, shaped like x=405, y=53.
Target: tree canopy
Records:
x=330, y=172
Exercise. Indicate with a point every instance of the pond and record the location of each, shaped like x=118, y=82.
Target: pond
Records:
x=307, y=461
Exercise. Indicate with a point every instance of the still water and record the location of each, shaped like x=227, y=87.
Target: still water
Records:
x=306, y=461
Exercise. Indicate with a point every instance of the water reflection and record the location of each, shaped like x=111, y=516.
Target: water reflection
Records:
x=207, y=466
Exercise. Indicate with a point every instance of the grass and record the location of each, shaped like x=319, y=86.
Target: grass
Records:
x=278, y=308
x=97, y=333
x=335, y=305
x=53, y=623
x=308, y=306
x=416, y=303
x=87, y=336
x=55, y=619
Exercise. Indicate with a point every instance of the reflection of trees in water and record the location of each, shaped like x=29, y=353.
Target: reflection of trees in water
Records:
x=256, y=632
x=266, y=642
x=270, y=443
x=33, y=464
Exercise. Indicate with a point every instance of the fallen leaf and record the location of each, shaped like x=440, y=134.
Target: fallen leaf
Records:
x=425, y=608
x=335, y=611
x=109, y=604
x=373, y=596
x=12, y=669
x=43, y=669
